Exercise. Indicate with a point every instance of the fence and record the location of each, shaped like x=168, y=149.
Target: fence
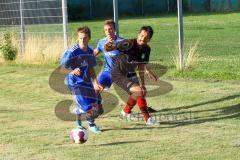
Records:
x=85, y=9
x=36, y=27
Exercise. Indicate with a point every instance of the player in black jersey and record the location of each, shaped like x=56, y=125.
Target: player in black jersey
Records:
x=135, y=55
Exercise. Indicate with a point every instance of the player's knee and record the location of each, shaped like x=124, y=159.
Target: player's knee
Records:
x=136, y=90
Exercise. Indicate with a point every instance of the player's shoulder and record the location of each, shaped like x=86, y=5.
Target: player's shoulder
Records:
x=70, y=51
x=73, y=48
x=103, y=40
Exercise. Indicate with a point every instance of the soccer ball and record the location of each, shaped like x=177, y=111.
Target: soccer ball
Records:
x=78, y=135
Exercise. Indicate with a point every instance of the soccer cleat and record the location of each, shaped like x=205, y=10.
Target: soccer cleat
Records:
x=152, y=122
x=128, y=116
x=151, y=110
x=94, y=129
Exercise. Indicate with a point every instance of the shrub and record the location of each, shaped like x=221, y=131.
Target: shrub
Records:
x=191, y=57
x=9, y=52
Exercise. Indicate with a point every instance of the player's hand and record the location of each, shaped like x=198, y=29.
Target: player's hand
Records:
x=95, y=52
x=98, y=88
x=76, y=72
x=144, y=90
x=110, y=38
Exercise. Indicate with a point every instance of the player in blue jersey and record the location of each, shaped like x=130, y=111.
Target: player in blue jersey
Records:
x=78, y=63
x=105, y=77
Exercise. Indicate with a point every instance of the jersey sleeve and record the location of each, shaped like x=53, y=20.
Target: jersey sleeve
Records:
x=66, y=57
x=99, y=46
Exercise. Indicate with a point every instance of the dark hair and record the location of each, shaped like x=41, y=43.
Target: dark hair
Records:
x=84, y=29
x=109, y=22
x=147, y=29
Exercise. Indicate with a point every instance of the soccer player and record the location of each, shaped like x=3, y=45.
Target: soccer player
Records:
x=78, y=62
x=135, y=54
x=105, y=77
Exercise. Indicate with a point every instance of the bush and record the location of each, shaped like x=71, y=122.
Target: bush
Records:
x=191, y=57
x=9, y=52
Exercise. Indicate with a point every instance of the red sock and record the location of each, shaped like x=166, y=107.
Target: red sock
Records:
x=130, y=104
x=142, y=104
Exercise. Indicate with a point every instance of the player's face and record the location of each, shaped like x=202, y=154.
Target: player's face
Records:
x=143, y=38
x=109, y=32
x=83, y=39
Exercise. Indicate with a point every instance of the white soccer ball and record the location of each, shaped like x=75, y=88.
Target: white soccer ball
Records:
x=78, y=135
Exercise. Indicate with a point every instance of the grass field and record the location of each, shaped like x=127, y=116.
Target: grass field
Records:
x=217, y=34
x=199, y=116
x=199, y=120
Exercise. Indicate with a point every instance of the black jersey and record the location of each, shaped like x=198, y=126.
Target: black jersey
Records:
x=137, y=53
x=127, y=62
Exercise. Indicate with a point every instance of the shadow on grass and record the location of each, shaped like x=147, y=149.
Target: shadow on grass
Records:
x=205, y=119
x=177, y=119
x=119, y=143
x=143, y=127
x=202, y=103
x=9, y=72
x=228, y=112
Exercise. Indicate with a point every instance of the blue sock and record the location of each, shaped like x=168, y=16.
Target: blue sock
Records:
x=78, y=120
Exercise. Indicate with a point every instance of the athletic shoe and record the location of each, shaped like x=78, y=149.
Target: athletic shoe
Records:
x=152, y=122
x=94, y=129
x=128, y=116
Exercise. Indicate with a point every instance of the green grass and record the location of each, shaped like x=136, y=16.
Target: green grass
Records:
x=199, y=120
x=218, y=36
x=199, y=117
x=217, y=33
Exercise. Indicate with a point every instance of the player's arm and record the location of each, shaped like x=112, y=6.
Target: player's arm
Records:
x=141, y=71
x=66, y=70
x=93, y=76
x=125, y=45
x=96, y=52
x=65, y=61
x=98, y=48
x=150, y=74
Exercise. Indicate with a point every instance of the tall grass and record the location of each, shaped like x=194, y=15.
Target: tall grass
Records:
x=191, y=57
x=41, y=49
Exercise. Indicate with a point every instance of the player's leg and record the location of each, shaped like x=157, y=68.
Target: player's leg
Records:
x=136, y=91
x=90, y=117
x=86, y=100
x=105, y=80
x=125, y=84
x=78, y=120
x=131, y=85
x=131, y=102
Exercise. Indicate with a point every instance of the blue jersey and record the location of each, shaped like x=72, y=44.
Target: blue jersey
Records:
x=108, y=56
x=77, y=58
